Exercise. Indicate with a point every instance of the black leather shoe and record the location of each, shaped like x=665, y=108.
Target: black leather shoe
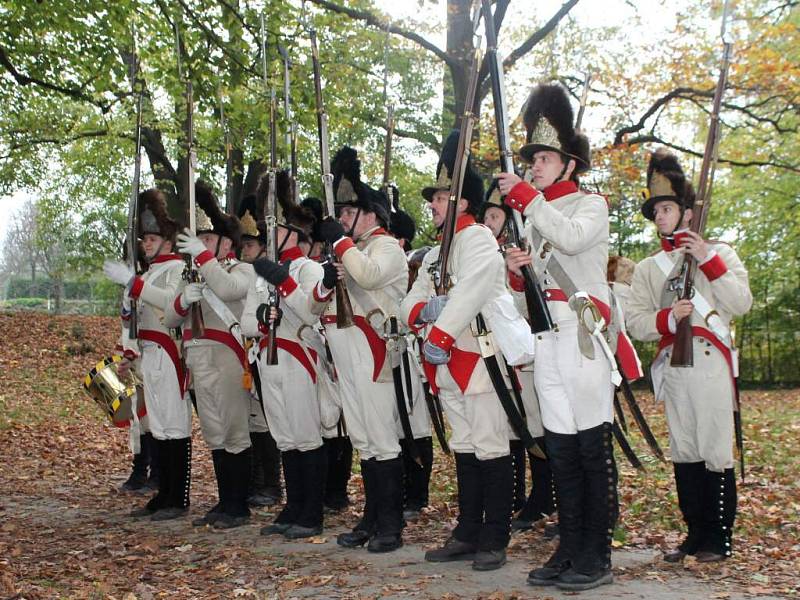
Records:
x=141, y=513
x=275, y=529
x=257, y=499
x=452, y=550
x=353, y=539
x=489, y=560
x=547, y=574
x=574, y=581
x=167, y=514
x=226, y=521
x=675, y=556
x=296, y=532
x=209, y=517
x=706, y=557
x=520, y=525
x=385, y=543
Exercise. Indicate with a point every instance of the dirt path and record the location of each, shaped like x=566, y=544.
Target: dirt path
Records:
x=91, y=551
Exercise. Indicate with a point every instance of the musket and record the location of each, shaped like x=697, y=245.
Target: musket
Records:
x=132, y=241
x=441, y=277
x=344, y=310
x=682, y=355
x=538, y=313
x=271, y=214
x=190, y=272
x=228, y=158
x=387, y=156
x=291, y=126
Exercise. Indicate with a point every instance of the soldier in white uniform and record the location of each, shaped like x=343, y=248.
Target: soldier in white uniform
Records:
x=289, y=385
x=376, y=276
x=169, y=413
x=540, y=502
x=216, y=359
x=334, y=430
x=417, y=475
x=572, y=374
x=265, y=475
x=700, y=400
x=479, y=424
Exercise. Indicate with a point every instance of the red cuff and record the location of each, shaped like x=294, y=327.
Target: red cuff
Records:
x=287, y=287
x=414, y=314
x=203, y=258
x=342, y=246
x=179, y=307
x=662, y=321
x=136, y=288
x=714, y=268
x=263, y=329
x=517, y=282
x=130, y=355
x=521, y=195
x=437, y=337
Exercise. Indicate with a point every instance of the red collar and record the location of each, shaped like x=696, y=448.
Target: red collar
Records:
x=165, y=257
x=231, y=256
x=290, y=254
x=462, y=222
x=668, y=244
x=317, y=258
x=562, y=188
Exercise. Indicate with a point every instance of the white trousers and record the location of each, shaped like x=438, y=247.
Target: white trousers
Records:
x=223, y=405
x=290, y=401
x=699, y=408
x=478, y=423
x=257, y=423
x=575, y=393
x=169, y=415
x=370, y=408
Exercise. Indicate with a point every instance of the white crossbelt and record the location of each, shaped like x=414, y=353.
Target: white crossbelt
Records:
x=701, y=305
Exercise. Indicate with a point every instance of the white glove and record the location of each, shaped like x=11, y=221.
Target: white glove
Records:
x=189, y=243
x=118, y=272
x=193, y=292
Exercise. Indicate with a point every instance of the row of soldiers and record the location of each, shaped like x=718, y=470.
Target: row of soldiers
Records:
x=333, y=382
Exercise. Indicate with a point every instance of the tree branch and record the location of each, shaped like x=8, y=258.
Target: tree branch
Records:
x=25, y=80
x=653, y=138
x=538, y=35
x=381, y=24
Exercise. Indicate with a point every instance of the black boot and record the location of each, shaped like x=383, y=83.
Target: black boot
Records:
x=153, y=448
x=564, y=455
x=309, y=522
x=365, y=528
x=591, y=566
x=389, y=522
x=541, y=500
x=180, y=476
x=518, y=457
x=463, y=543
x=689, y=483
x=497, y=483
x=416, y=477
x=293, y=480
x=141, y=461
x=218, y=458
x=340, y=465
x=719, y=515
x=265, y=489
x=235, y=511
x=160, y=500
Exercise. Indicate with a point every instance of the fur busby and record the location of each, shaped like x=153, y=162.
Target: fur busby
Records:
x=251, y=216
x=210, y=218
x=665, y=181
x=289, y=215
x=472, y=188
x=550, y=125
x=153, y=215
x=314, y=206
x=402, y=226
x=349, y=190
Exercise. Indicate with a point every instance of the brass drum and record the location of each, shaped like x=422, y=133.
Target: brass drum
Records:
x=112, y=394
